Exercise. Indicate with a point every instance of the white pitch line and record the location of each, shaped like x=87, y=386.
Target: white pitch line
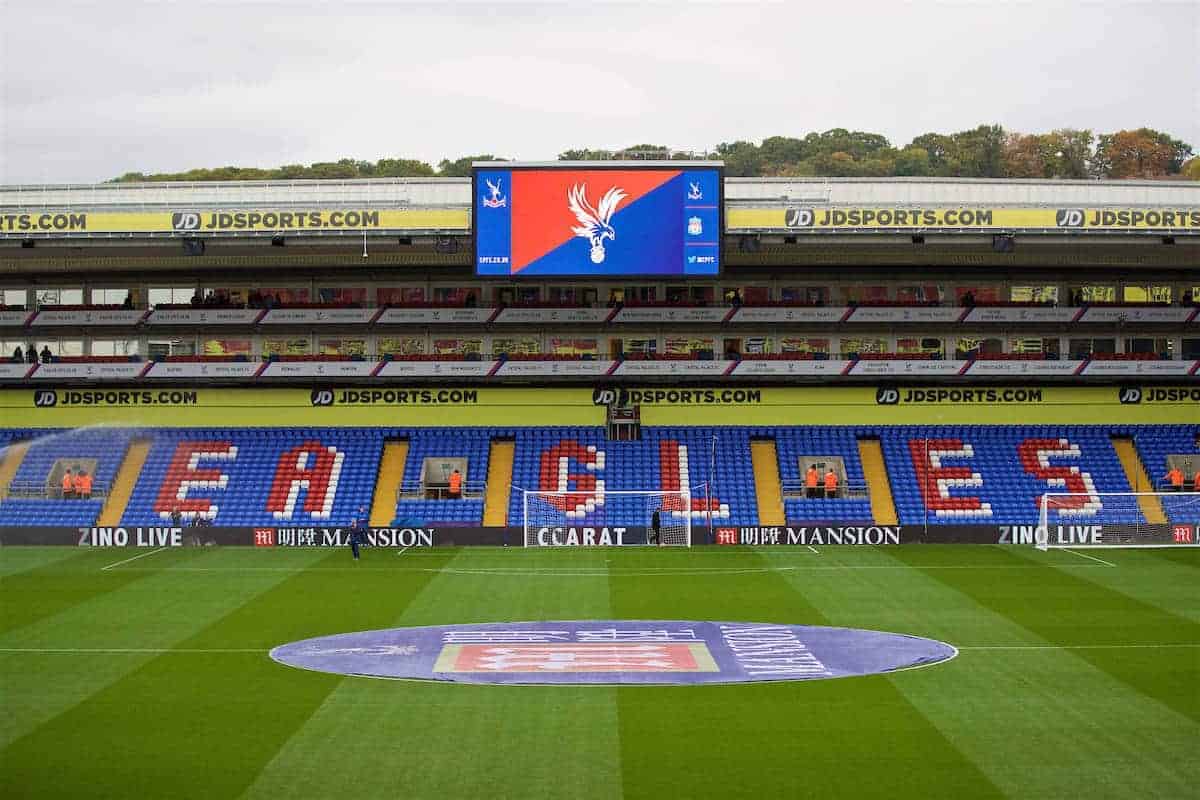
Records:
x=815, y=550
x=129, y=650
x=1093, y=558
x=135, y=558
x=235, y=650
x=616, y=573
x=1079, y=646
x=402, y=551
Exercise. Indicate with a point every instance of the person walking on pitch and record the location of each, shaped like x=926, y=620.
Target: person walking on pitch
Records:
x=356, y=531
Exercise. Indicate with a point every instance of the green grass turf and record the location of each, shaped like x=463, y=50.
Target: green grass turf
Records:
x=1062, y=687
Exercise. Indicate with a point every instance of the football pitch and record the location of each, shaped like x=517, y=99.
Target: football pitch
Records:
x=138, y=673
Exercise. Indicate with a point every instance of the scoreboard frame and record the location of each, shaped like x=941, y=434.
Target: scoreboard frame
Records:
x=648, y=166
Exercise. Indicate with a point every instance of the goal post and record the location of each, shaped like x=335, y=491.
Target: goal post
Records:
x=1118, y=519
x=606, y=517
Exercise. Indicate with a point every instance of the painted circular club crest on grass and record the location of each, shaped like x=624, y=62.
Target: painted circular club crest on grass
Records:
x=614, y=652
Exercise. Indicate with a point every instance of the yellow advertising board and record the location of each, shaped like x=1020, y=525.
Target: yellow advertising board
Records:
x=240, y=221
x=523, y=407
x=799, y=219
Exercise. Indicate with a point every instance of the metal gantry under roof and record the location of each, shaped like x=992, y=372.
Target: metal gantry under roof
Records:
x=440, y=193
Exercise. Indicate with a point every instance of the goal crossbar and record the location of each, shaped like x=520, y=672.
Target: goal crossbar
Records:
x=571, y=518
x=1118, y=519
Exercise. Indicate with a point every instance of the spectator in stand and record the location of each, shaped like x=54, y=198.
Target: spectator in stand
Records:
x=31, y=355
x=968, y=300
x=1174, y=477
x=128, y=301
x=830, y=483
x=471, y=301
x=47, y=356
x=1196, y=482
x=18, y=356
x=176, y=518
x=811, y=482
x=1186, y=299
x=83, y=485
x=68, y=485
x=735, y=299
x=455, y=488
x=197, y=299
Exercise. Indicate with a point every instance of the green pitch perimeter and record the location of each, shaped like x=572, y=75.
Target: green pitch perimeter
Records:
x=151, y=678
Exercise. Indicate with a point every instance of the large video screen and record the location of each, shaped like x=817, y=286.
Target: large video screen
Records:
x=591, y=221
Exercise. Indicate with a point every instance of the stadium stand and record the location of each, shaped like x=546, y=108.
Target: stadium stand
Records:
x=258, y=476
x=997, y=474
x=940, y=475
x=1154, y=444
x=792, y=444
x=26, y=502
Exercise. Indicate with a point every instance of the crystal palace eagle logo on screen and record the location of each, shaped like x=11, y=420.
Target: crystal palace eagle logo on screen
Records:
x=496, y=199
x=594, y=223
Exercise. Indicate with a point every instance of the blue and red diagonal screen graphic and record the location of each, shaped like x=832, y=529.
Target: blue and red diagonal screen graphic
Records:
x=588, y=222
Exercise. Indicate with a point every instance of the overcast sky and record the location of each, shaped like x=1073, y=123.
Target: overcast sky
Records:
x=90, y=91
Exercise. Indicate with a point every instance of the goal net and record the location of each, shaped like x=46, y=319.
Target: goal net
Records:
x=606, y=517
x=1118, y=519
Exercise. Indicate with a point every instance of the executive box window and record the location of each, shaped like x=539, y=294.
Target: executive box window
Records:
x=13, y=297
x=286, y=346
x=980, y=294
x=343, y=295
x=575, y=347
x=1048, y=347
x=515, y=346
x=114, y=347
x=170, y=295
x=59, y=297
x=1082, y=348
x=1146, y=293
x=810, y=295
x=227, y=347
x=864, y=294
x=400, y=345
x=860, y=345
x=111, y=296
x=803, y=345
x=399, y=295
x=1158, y=346
x=164, y=348
x=926, y=293
x=336, y=346
x=971, y=346
x=457, y=347
x=928, y=345
x=1035, y=294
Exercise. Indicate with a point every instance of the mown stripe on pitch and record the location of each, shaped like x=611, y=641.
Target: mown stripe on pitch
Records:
x=17, y=559
x=443, y=740
x=48, y=589
x=203, y=726
x=150, y=613
x=1187, y=556
x=1065, y=609
x=822, y=738
x=994, y=704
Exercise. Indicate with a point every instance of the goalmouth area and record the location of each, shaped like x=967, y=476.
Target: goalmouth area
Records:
x=1074, y=670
